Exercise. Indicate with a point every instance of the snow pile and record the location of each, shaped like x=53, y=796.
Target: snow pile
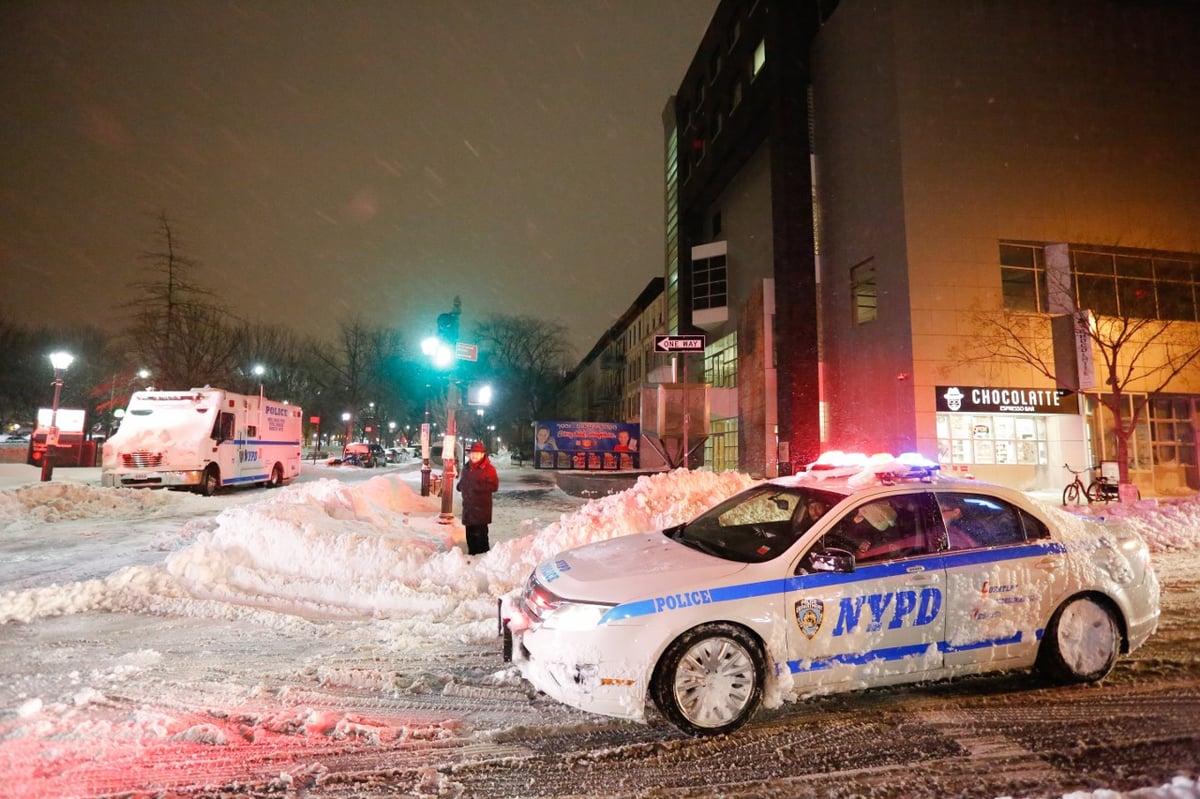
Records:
x=1167, y=525
x=46, y=503
x=358, y=552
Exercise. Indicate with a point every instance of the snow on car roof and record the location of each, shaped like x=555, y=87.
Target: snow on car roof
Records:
x=848, y=472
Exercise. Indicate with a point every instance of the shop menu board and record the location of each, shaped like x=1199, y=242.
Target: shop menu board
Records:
x=592, y=446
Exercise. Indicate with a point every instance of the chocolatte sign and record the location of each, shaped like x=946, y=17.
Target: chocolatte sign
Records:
x=998, y=399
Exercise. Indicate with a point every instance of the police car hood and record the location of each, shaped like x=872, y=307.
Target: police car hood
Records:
x=631, y=567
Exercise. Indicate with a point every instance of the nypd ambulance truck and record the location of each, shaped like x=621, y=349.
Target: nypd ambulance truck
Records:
x=203, y=439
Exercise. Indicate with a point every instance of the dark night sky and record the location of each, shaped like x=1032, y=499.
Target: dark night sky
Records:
x=323, y=159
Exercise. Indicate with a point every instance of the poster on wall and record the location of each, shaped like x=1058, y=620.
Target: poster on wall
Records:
x=592, y=446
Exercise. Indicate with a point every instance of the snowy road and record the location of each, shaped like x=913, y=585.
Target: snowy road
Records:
x=217, y=701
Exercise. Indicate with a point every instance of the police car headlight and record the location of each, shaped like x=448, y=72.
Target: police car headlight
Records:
x=574, y=616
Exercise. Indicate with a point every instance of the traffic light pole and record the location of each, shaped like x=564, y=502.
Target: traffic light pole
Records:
x=449, y=463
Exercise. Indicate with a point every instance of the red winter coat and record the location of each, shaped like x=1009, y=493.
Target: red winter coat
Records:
x=477, y=483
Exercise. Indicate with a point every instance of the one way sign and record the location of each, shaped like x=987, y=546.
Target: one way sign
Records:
x=679, y=343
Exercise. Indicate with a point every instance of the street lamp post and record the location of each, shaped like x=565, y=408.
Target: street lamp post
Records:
x=346, y=417
x=425, y=468
x=441, y=353
x=60, y=361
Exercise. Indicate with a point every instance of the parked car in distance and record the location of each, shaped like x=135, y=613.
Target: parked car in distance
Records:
x=872, y=573
x=14, y=438
x=399, y=454
x=363, y=454
x=378, y=455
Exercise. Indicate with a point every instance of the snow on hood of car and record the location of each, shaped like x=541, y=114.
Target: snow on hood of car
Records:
x=631, y=567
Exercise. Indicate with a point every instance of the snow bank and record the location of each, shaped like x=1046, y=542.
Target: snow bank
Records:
x=328, y=549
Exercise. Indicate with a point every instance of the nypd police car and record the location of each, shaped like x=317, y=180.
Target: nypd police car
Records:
x=856, y=573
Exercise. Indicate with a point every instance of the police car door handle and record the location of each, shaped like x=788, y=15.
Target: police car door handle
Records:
x=1052, y=563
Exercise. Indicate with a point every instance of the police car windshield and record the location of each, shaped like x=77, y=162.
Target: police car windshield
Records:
x=756, y=525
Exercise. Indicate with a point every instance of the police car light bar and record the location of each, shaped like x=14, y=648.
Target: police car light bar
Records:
x=882, y=467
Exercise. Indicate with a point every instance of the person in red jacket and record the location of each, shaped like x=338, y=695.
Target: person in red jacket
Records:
x=477, y=483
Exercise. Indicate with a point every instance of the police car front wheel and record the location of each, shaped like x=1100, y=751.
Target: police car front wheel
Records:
x=710, y=679
x=1081, y=643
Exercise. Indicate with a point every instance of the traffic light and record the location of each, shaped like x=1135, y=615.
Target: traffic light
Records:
x=447, y=325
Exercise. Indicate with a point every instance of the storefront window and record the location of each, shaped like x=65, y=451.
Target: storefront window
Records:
x=992, y=439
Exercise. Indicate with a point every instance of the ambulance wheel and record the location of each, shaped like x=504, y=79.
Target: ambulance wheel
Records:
x=1081, y=643
x=210, y=482
x=276, y=477
x=710, y=679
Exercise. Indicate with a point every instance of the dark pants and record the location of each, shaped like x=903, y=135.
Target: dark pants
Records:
x=477, y=539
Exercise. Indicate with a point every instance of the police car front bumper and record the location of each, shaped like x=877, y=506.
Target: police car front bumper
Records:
x=573, y=667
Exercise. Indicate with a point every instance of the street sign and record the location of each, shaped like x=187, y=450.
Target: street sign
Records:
x=466, y=352
x=679, y=343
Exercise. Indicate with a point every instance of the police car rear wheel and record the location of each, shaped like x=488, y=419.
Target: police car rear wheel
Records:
x=710, y=679
x=1082, y=642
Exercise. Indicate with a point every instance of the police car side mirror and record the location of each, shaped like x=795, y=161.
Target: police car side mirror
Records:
x=833, y=560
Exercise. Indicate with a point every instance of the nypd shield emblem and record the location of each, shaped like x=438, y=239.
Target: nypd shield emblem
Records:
x=809, y=615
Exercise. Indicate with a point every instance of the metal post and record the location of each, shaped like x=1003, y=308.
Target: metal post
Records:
x=449, y=464
x=52, y=432
x=425, y=469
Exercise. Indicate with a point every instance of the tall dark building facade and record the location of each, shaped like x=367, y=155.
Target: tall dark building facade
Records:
x=854, y=189
x=741, y=250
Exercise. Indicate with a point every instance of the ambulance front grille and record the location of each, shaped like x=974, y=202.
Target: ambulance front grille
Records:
x=141, y=460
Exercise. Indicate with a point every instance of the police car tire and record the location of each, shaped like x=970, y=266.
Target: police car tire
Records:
x=276, y=477
x=738, y=657
x=1081, y=643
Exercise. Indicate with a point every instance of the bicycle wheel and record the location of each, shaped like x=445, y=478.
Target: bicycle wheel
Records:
x=1072, y=493
x=1096, y=492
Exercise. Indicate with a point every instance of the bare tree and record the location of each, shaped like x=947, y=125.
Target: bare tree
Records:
x=179, y=330
x=365, y=366
x=21, y=381
x=529, y=357
x=1137, y=358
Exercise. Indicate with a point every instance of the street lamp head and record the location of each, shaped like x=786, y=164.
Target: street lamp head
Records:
x=61, y=360
x=439, y=351
x=259, y=369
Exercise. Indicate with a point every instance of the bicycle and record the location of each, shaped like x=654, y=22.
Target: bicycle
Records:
x=1075, y=489
x=1101, y=489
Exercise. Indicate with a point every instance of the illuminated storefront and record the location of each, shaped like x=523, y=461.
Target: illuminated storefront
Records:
x=998, y=426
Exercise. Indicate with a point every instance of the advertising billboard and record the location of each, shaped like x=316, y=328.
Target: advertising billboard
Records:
x=593, y=446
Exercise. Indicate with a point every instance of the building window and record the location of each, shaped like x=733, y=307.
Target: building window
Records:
x=709, y=285
x=720, y=362
x=1110, y=282
x=1174, y=436
x=864, y=291
x=721, y=446
x=737, y=96
x=1023, y=277
x=760, y=58
x=716, y=225
x=964, y=439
